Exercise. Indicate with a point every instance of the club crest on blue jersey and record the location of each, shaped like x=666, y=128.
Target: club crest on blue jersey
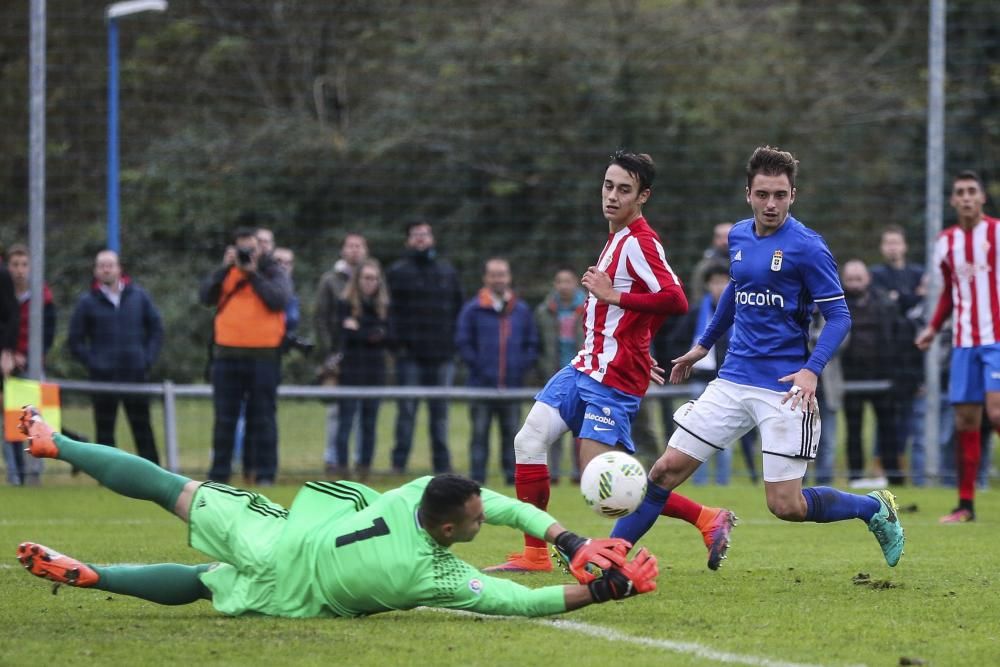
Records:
x=776, y=260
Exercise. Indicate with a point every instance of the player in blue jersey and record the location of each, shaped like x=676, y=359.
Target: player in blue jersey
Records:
x=779, y=268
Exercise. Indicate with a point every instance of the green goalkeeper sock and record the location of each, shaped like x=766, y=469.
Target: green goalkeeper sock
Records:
x=123, y=473
x=163, y=583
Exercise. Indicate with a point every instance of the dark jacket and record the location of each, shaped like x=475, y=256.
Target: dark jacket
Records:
x=269, y=281
x=116, y=343
x=871, y=353
x=425, y=299
x=364, y=349
x=9, y=312
x=48, y=321
x=499, y=348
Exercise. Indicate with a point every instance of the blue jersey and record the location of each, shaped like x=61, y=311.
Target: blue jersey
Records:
x=776, y=280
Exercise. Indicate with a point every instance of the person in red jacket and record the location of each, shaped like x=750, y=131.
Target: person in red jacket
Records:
x=21, y=469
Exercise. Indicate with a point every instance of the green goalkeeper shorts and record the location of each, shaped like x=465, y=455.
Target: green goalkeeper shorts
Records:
x=239, y=529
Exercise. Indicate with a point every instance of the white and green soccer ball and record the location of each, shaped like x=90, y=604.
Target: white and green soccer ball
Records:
x=613, y=484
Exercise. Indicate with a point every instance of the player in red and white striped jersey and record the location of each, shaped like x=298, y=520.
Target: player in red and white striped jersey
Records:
x=617, y=332
x=632, y=290
x=967, y=256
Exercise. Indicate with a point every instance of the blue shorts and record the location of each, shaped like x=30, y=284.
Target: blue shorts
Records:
x=974, y=371
x=590, y=409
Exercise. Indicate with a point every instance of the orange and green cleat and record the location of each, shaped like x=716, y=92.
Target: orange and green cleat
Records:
x=532, y=559
x=40, y=442
x=52, y=565
x=716, y=536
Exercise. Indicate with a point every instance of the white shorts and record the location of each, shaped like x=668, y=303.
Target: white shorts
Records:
x=726, y=410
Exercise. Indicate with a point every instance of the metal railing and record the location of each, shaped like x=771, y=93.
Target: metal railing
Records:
x=170, y=392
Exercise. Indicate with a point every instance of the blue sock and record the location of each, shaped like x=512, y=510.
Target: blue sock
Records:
x=825, y=504
x=638, y=523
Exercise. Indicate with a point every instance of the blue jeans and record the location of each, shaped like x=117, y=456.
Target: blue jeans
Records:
x=481, y=413
x=412, y=373
x=826, y=454
x=366, y=431
x=918, y=447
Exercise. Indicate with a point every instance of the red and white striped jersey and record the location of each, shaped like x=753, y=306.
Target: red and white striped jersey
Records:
x=968, y=262
x=617, y=338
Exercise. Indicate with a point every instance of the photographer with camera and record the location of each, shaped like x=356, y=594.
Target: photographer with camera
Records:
x=250, y=292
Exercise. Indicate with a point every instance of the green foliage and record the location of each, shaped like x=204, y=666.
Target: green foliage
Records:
x=493, y=120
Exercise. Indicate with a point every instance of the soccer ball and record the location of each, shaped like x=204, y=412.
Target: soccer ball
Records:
x=613, y=484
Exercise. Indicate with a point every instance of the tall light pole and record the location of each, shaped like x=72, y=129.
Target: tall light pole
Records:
x=112, y=13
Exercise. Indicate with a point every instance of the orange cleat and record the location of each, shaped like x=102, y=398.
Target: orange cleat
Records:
x=532, y=559
x=40, y=442
x=52, y=565
x=716, y=535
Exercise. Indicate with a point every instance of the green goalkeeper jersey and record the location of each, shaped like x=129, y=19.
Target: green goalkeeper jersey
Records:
x=347, y=550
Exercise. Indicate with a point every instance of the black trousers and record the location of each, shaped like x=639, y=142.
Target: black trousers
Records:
x=885, y=428
x=137, y=412
x=253, y=379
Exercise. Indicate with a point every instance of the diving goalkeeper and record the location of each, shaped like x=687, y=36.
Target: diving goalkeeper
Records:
x=342, y=549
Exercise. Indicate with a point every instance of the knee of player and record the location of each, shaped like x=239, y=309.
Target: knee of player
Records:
x=662, y=472
x=993, y=414
x=787, y=509
x=528, y=441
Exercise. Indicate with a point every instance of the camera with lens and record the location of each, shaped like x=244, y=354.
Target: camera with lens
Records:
x=244, y=256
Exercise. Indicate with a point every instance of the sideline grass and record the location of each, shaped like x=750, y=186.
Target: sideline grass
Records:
x=786, y=595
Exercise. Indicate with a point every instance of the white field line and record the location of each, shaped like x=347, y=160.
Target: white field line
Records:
x=612, y=635
x=69, y=522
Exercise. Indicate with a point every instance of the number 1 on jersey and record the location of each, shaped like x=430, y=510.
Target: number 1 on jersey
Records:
x=377, y=529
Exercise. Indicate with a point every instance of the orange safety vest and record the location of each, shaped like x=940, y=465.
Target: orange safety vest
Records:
x=244, y=320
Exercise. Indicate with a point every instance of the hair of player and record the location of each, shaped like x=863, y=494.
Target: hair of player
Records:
x=244, y=233
x=772, y=162
x=969, y=175
x=445, y=497
x=715, y=269
x=17, y=250
x=893, y=229
x=639, y=165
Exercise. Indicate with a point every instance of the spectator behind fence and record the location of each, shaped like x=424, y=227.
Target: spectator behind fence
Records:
x=717, y=253
x=117, y=333
x=830, y=400
x=869, y=355
x=497, y=339
x=902, y=281
x=250, y=292
x=690, y=328
x=424, y=301
x=364, y=321
x=285, y=258
x=23, y=469
x=559, y=319
x=9, y=327
x=353, y=251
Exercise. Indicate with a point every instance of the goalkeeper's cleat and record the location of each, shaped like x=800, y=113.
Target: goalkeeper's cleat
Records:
x=958, y=515
x=885, y=524
x=716, y=535
x=532, y=559
x=40, y=441
x=52, y=565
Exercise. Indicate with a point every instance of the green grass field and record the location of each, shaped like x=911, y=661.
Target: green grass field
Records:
x=789, y=594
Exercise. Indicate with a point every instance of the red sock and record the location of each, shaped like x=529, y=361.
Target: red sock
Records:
x=531, y=482
x=679, y=507
x=969, y=451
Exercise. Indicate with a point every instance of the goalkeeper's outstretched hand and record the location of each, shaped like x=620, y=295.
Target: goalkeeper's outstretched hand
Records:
x=581, y=552
x=635, y=577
